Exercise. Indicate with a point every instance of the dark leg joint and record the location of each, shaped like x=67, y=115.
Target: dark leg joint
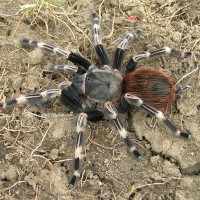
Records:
x=119, y=56
x=11, y=103
x=131, y=66
x=94, y=116
x=102, y=53
x=27, y=43
x=170, y=125
x=76, y=164
x=137, y=155
x=128, y=142
x=74, y=58
x=72, y=181
x=187, y=136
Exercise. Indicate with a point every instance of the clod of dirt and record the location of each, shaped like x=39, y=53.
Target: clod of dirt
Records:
x=189, y=188
x=9, y=156
x=35, y=57
x=54, y=154
x=171, y=169
x=9, y=172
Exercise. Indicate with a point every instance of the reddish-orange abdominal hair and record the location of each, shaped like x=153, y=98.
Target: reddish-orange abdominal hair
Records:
x=153, y=86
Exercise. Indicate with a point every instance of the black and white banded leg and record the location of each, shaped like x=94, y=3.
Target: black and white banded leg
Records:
x=64, y=69
x=79, y=145
x=119, y=53
x=97, y=40
x=112, y=113
x=42, y=99
x=48, y=48
x=132, y=64
x=136, y=101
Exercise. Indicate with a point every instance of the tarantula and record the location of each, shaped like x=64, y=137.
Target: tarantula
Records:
x=99, y=91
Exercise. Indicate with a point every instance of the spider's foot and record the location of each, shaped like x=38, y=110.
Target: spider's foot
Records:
x=185, y=135
x=1, y=106
x=27, y=43
x=177, y=53
x=7, y=104
x=187, y=54
x=137, y=155
x=73, y=180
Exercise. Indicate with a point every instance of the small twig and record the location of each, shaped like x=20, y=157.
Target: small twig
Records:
x=100, y=8
x=15, y=30
x=100, y=145
x=147, y=185
x=78, y=28
x=188, y=74
x=40, y=141
x=21, y=143
x=14, y=185
x=112, y=30
x=63, y=160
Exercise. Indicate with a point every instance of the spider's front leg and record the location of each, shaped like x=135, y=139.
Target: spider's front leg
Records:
x=97, y=40
x=119, y=52
x=112, y=113
x=51, y=49
x=133, y=100
x=79, y=145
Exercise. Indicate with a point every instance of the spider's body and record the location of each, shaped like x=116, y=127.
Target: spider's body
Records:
x=102, y=85
x=98, y=92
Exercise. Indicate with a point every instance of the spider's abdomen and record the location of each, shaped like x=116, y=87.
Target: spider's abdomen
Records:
x=103, y=85
x=152, y=86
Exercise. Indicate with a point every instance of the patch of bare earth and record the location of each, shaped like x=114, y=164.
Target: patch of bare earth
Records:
x=37, y=145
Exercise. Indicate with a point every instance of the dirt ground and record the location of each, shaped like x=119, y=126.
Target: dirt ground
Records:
x=37, y=145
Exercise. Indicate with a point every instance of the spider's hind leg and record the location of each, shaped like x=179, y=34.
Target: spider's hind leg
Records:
x=112, y=113
x=133, y=100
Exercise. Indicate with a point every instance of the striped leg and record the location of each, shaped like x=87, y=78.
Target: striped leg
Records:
x=112, y=113
x=119, y=53
x=65, y=69
x=48, y=48
x=42, y=99
x=132, y=64
x=97, y=40
x=135, y=101
x=79, y=144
